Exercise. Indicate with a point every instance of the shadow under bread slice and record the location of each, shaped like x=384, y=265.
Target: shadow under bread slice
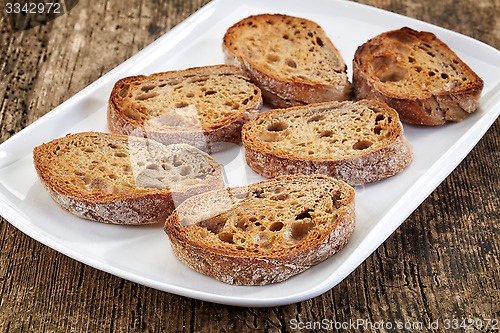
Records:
x=358, y=142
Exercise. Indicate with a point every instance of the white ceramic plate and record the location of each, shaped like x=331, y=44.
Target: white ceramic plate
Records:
x=142, y=254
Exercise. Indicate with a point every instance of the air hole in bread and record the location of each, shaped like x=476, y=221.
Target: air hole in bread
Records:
x=98, y=183
x=383, y=61
x=185, y=170
x=431, y=73
x=150, y=179
x=181, y=105
x=377, y=129
x=226, y=237
x=133, y=115
x=273, y=57
x=190, y=95
x=280, y=196
x=121, y=154
x=264, y=237
x=112, y=146
x=241, y=196
x=177, y=161
x=401, y=37
x=257, y=193
x=152, y=166
x=444, y=76
x=276, y=226
x=319, y=41
x=325, y=133
x=317, y=117
x=88, y=150
x=300, y=229
x=391, y=74
x=277, y=127
x=379, y=118
x=148, y=87
x=241, y=225
x=291, y=63
x=361, y=145
x=123, y=92
x=214, y=224
x=210, y=92
x=304, y=215
x=269, y=137
x=148, y=95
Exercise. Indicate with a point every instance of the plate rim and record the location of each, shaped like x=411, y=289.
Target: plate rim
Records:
x=12, y=214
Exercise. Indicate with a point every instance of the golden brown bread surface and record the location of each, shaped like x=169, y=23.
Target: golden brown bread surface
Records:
x=264, y=232
x=203, y=106
x=357, y=142
x=418, y=75
x=291, y=59
x=123, y=180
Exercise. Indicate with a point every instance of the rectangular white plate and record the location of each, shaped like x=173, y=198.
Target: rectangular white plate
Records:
x=142, y=254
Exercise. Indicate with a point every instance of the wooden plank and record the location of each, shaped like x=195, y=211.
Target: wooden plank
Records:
x=442, y=263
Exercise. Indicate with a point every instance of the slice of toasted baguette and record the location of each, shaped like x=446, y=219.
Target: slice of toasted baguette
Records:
x=291, y=59
x=203, y=106
x=123, y=180
x=358, y=142
x=418, y=75
x=265, y=232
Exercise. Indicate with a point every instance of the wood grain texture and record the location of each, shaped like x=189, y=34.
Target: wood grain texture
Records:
x=443, y=262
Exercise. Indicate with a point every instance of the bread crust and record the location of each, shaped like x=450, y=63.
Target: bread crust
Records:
x=250, y=268
x=130, y=208
x=372, y=167
x=393, y=157
x=453, y=101
x=291, y=91
x=209, y=138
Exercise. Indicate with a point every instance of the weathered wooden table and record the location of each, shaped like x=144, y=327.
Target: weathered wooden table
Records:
x=443, y=263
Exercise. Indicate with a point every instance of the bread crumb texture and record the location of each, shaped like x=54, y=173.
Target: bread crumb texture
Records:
x=324, y=132
x=288, y=223
x=100, y=165
x=200, y=98
x=414, y=64
x=290, y=48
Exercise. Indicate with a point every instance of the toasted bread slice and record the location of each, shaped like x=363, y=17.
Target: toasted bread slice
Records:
x=203, y=106
x=291, y=59
x=265, y=232
x=418, y=75
x=123, y=180
x=358, y=142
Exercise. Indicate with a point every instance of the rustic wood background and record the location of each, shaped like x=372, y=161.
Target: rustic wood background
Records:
x=442, y=263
